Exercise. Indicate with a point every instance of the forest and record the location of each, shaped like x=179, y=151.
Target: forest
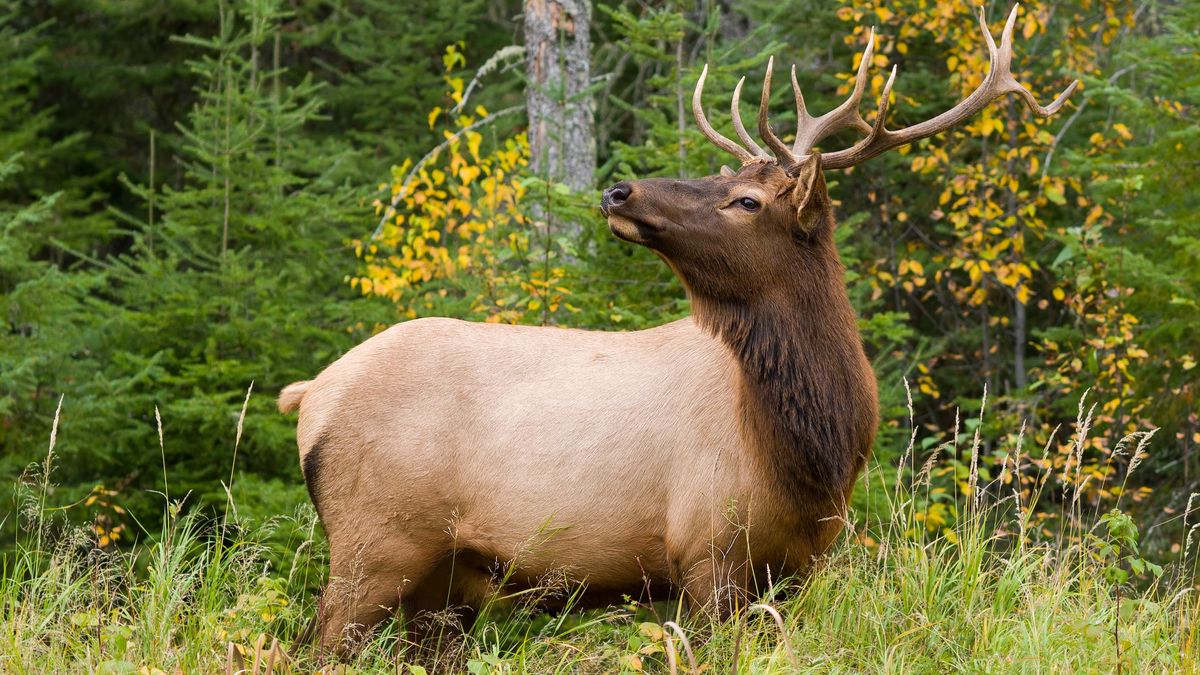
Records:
x=202, y=201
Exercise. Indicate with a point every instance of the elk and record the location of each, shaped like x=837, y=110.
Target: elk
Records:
x=702, y=455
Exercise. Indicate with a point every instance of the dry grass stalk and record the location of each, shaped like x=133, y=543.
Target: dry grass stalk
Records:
x=973, y=477
x=783, y=633
x=672, y=655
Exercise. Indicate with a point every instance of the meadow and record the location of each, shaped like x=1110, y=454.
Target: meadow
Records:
x=202, y=202
x=991, y=593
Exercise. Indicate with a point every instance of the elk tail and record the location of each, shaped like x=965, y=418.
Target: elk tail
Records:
x=290, y=397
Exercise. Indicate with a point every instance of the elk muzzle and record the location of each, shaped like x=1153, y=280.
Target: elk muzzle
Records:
x=615, y=196
x=625, y=219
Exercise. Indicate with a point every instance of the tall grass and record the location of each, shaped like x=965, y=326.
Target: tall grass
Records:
x=986, y=594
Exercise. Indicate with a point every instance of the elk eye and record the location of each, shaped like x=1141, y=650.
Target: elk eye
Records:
x=748, y=203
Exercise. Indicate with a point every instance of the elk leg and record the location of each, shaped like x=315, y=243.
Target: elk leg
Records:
x=434, y=611
x=360, y=596
x=715, y=587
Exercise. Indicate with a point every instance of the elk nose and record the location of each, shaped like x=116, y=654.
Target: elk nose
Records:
x=615, y=195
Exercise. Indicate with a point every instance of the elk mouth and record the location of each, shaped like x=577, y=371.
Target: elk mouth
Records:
x=631, y=229
x=637, y=230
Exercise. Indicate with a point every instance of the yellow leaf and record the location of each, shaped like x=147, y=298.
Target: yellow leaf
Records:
x=1031, y=26
x=632, y=662
x=1123, y=130
x=884, y=14
x=651, y=630
x=1055, y=194
x=1058, y=294
x=433, y=115
x=468, y=174
x=473, y=140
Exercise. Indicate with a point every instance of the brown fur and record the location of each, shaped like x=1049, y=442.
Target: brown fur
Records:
x=697, y=455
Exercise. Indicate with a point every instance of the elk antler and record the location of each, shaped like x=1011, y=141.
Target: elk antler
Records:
x=715, y=136
x=811, y=130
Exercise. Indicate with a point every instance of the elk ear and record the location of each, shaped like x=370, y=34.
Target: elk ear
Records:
x=806, y=193
x=727, y=172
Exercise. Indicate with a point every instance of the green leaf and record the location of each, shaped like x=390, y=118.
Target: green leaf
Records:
x=1063, y=256
x=1055, y=195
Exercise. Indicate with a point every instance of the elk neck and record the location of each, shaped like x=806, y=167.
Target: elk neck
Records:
x=807, y=393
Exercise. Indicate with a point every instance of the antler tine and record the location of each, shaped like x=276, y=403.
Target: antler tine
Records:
x=998, y=82
x=801, y=109
x=1006, y=54
x=993, y=56
x=735, y=111
x=782, y=152
x=1046, y=111
x=1006, y=36
x=811, y=130
x=884, y=101
x=706, y=128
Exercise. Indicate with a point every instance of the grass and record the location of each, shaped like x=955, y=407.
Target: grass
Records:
x=987, y=593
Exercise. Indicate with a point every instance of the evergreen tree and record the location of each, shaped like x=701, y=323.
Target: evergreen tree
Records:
x=231, y=281
x=41, y=296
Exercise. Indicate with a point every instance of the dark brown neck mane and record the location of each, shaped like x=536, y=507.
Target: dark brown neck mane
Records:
x=808, y=392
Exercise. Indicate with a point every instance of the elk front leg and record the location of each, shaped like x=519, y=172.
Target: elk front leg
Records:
x=435, y=616
x=716, y=585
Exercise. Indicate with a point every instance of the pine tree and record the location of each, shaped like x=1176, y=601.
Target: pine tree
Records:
x=233, y=280
x=41, y=299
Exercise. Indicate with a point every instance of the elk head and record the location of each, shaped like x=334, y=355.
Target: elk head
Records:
x=735, y=236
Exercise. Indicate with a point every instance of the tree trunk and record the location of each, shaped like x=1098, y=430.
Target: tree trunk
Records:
x=562, y=140
x=1019, y=314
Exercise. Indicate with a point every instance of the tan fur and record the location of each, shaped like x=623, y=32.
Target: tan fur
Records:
x=440, y=453
x=290, y=397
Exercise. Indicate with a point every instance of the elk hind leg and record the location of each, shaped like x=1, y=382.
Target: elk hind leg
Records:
x=360, y=596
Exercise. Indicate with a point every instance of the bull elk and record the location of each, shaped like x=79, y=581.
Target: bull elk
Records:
x=695, y=456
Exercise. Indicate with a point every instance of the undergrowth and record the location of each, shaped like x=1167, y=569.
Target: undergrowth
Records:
x=987, y=594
